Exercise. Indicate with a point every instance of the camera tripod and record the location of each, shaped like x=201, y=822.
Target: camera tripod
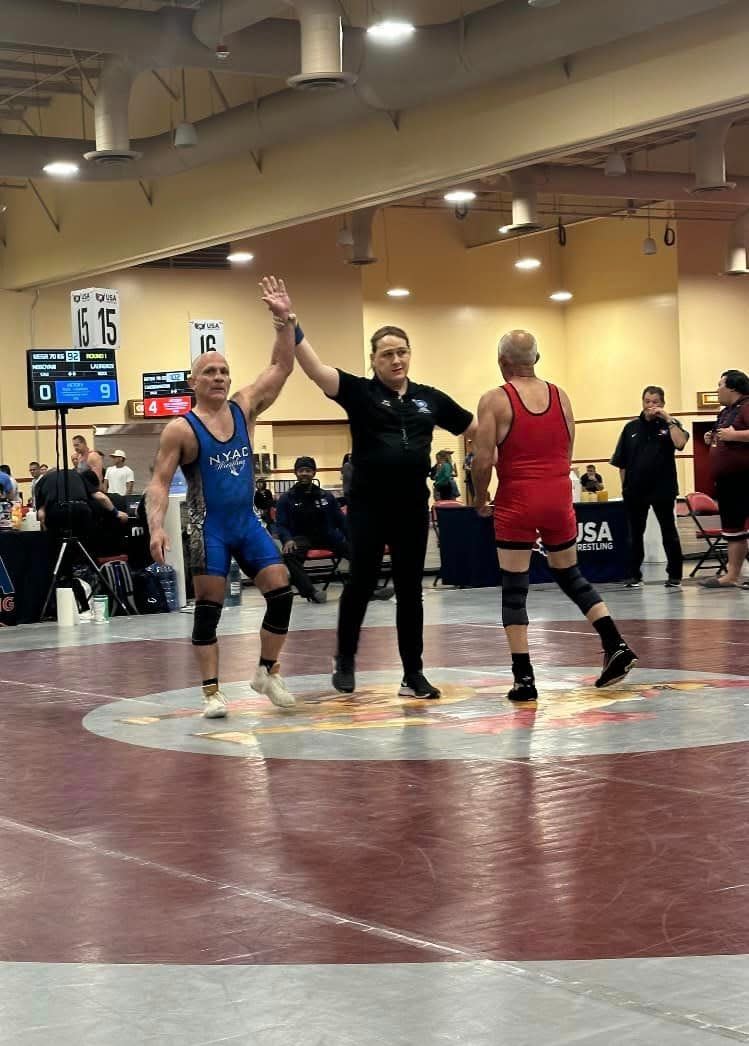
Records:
x=70, y=543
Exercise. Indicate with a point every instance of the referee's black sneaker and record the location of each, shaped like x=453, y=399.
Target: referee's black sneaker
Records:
x=523, y=690
x=616, y=665
x=416, y=684
x=344, y=679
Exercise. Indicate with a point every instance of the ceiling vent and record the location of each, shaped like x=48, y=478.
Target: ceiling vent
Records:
x=524, y=201
x=322, y=47
x=112, y=157
x=710, y=159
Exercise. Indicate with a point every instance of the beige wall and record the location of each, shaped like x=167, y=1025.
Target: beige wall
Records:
x=633, y=321
x=621, y=329
x=713, y=310
x=155, y=305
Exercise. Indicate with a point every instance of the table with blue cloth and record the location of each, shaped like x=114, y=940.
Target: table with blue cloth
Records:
x=468, y=554
x=25, y=574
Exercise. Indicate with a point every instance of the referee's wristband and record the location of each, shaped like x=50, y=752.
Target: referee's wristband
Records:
x=298, y=335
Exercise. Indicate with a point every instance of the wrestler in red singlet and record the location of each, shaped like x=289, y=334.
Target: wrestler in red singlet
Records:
x=533, y=468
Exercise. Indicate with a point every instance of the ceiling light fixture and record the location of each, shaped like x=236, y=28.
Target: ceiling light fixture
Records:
x=459, y=196
x=61, y=169
x=398, y=292
x=649, y=246
x=391, y=31
x=240, y=257
x=185, y=136
x=528, y=264
x=561, y=296
x=504, y=229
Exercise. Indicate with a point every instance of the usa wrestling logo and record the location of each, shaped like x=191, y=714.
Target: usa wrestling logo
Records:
x=7, y=592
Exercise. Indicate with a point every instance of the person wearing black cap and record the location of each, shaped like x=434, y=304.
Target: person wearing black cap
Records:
x=392, y=420
x=308, y=517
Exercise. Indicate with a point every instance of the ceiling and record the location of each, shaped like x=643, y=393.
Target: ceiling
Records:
x=354, y=12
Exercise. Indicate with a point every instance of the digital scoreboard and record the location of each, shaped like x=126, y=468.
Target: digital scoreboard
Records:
x=71, y=378
x=166, y=394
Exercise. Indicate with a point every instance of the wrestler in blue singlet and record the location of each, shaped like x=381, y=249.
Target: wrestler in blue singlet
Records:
x=220, y=491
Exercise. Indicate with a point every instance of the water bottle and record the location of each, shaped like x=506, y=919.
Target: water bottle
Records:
x=167, y=578
x=233, y=587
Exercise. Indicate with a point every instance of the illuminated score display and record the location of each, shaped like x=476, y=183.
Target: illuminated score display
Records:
x=166, y=394
x=71, y=378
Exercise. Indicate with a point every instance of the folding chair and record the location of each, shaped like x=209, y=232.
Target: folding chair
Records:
x=322, y=565
x=700, y=507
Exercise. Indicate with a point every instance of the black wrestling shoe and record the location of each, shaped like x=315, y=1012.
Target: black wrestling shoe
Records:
x=416, y=684
x=616, y=665
x=344, y=679
x=523, y=690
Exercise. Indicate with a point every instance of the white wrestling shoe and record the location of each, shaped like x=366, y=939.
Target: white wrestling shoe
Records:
x=273, y=686
x=214, y=703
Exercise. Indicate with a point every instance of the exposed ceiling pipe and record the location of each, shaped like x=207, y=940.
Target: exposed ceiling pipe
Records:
x=111, y=114
x=736, y=252
x=524, y=201
x=155, y=40
x=639, y=185
x=391, y=78
x=710, y=157
x=217, y=19
x=322, y=47
x=361, y=230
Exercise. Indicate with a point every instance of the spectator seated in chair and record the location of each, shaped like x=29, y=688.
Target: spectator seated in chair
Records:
x=307, y=518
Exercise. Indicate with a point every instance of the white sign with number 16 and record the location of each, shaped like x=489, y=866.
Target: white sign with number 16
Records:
x=95, y=317
x=206, y=336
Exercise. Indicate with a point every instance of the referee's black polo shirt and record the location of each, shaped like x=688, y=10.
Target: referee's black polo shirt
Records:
x=647, y=453
x=392, y=434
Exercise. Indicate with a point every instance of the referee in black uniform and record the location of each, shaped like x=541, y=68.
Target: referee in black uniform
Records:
x=646, y=458
x=392, y=420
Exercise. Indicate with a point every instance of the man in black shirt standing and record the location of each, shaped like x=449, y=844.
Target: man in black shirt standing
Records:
x=646, y=458
x=392, y=420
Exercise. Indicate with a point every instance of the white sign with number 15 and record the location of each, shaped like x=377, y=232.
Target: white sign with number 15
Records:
x=95, y=317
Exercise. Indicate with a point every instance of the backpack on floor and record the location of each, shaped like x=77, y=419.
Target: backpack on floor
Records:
x=149, y=595
x=120, y=580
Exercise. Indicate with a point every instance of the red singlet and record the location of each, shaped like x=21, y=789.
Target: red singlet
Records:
x=533, y=466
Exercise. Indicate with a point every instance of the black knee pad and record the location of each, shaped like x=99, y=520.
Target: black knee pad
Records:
x=278, y=610
x=576, y=587
x=514, y=598
x=205, y=622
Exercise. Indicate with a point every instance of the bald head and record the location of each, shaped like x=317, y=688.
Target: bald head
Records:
x=207, y=359
x=519, y=349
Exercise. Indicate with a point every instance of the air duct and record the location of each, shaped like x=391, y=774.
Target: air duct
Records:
x=217, y=19
x=710, y=159
x=111, y=115
x=736, y=253
x=361, y=230
x=524, y=201
x=322, y=47
x=439, y=61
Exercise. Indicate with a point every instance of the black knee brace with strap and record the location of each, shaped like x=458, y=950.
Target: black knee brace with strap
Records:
x=514, y=598
x=576, y=587
x=278, y=610
x=205, y=622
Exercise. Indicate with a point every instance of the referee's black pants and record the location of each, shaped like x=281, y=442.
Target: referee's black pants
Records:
x=403, y=526
x=637, y=508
